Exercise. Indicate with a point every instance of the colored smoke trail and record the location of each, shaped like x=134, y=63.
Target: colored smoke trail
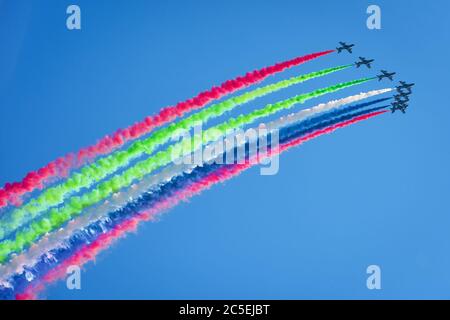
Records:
x=11, y=193
x=74, y=206
x=105, y=224
x=54, y=239
x=89, y=251
x=97, y=171
x=92, y=232
x=324, y=107
x=334, y=121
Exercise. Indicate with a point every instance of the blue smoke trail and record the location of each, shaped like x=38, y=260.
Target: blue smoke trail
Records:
x=152, y=197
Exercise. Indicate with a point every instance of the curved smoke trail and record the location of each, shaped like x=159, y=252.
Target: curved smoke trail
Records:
x=11, y=193
x=54, y=239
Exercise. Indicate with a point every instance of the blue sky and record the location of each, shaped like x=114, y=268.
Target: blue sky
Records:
x=374, y=193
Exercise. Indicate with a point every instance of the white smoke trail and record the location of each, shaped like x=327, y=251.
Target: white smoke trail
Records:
x=298, y=116
x=58, y=239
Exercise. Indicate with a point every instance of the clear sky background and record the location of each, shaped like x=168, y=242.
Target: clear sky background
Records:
x=374, y=193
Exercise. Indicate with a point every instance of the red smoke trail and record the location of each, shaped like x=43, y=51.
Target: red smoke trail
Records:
x=90, y=251
x=12, y=192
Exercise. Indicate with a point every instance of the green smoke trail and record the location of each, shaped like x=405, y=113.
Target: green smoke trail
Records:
x=100, y=169
x=75, y=205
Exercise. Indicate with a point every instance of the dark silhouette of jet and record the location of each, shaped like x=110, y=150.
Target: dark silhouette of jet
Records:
x=345, y=46
x=399, y=106
x=386, y=74
x=364, y=62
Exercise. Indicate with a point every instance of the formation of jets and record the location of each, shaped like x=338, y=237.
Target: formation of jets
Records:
x=403, y=89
